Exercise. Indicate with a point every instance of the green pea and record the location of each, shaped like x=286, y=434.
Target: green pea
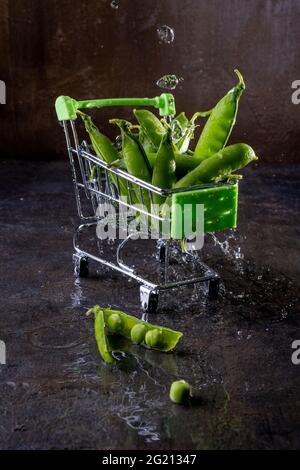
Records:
x=154, y=338
x=115, y=323
x=138, y=333
x=180, y=392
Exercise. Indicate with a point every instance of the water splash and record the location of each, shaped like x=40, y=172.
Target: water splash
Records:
x=177, y=130
x=77, y=295
x=114, y=4
x=228, y=249
x=168, y=82
x=165, y=34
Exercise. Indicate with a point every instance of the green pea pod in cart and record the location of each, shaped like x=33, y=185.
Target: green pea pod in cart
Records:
x=148, y=147
x=231, y=158
x=135, y=160
x=218, y=127
x=216, y=168
x=164, y=167
x=104, y=149
x=150, y=125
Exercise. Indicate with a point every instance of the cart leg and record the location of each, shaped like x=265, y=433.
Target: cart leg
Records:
x=162, y=253
x=161, y=247
x=213, y=287
x=81, y=265
x=149, y=299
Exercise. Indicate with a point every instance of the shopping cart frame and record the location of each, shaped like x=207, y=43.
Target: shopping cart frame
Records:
x=105, y=187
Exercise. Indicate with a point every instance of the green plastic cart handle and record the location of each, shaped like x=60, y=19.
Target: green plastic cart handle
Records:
x=66, y=107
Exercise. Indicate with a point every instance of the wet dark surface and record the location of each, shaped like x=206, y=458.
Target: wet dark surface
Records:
x=55, y=392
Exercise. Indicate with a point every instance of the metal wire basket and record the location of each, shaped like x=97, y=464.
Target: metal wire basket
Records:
x=219, y=200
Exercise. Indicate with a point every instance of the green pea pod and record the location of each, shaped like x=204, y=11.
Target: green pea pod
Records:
x=148, y=147
x=100, y=335
x=151, y=158
x=135, y=158
x=146, y=143
x=231, y=158
x=169, y=338
x=150, y=125
x=219, y=125
x=104, y=149
x=185, y=163
x=164, y=168
x=102, y=145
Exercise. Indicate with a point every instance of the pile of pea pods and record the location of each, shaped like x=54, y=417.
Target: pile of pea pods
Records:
x=157, y=151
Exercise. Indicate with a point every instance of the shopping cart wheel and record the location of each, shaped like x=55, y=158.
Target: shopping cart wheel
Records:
x=149, y=299
x=213, y=287
x=81, y=265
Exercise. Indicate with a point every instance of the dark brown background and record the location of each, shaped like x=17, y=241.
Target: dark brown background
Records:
x=86, y=49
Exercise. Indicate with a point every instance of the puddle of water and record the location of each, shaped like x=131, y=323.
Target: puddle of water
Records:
x=55, y=337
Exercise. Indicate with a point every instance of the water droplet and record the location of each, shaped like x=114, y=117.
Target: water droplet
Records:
x=114, y=4
x=118, y=142
x=177, y=131
x=168, y=82
x=165, y=34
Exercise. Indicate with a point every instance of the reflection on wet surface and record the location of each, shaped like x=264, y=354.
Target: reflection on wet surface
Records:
x=236, y=350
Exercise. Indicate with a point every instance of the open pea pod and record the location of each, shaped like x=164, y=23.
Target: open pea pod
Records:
x=167, y=338
x=102, y=343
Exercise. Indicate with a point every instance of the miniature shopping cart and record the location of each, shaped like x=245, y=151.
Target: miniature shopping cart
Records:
x=219, y=200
